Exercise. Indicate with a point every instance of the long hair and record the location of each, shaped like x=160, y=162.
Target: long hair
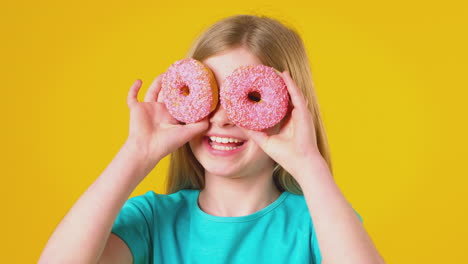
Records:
x=277, y=46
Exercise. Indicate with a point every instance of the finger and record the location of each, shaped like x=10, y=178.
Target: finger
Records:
x=278, y=72
x=297, y=98
x=132, y=96
x=160, y=98
x=164, y=115
x=191, y=129
x=287, y=120
x=160, y=95
x=153, y=90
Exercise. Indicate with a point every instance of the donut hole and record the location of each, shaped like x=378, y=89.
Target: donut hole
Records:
x=185, y=90
x=254, y=96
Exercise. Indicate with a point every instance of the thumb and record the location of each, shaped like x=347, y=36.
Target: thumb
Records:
x=191, y=129
x=258, y=137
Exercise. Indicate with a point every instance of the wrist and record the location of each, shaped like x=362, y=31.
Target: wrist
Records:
x=140, y=154
x=314, y=167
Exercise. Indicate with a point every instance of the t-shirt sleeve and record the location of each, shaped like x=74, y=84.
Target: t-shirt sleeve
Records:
x=317, y=256
x=134, y=225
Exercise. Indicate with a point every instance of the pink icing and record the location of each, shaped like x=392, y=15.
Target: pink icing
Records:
x=198, y=103
x=248, y=113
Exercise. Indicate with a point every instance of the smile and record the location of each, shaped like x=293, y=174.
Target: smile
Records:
x=219, y=146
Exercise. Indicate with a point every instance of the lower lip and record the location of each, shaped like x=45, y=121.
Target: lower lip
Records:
x=224, y=153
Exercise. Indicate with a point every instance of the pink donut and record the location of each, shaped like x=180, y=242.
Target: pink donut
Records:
x=254, y=97
x=189, y=90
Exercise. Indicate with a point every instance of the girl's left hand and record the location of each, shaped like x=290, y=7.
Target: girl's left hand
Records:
x=295, y=145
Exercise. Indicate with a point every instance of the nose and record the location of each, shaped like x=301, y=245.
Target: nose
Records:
x=219, y=117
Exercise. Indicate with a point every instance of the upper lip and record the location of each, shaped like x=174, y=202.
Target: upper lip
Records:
x=224, y=136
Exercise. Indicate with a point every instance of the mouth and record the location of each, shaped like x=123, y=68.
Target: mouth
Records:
x=224, y=146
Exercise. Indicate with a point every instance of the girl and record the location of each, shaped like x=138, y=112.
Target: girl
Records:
x=272, y=201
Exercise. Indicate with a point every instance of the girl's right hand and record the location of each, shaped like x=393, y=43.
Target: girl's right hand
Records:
x=153, y=130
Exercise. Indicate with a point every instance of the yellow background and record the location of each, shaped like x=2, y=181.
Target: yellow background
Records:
x=390, y=78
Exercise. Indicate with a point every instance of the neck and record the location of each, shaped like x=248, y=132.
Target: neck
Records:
x=237, y=196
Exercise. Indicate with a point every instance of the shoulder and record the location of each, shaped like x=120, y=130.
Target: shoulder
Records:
x=179, y=198
x=296, y=203
x=296, y=208
x=295, y=197
x=161, y=202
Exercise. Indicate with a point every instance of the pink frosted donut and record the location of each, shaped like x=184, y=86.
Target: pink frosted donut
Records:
x=254, y=97
x=189, y=90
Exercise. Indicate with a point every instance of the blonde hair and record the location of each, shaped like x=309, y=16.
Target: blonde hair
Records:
x=276, y=46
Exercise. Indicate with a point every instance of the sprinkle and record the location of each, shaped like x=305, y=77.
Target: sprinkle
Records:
x=250, y=114
x=201, y=98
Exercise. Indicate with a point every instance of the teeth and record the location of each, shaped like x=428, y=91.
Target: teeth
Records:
x=225, y=140
x=223, y=147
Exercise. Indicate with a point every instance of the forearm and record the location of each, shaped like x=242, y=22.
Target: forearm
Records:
x=82, y=234
x=341, y=236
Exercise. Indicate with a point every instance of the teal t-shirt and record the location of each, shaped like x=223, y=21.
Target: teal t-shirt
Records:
x=160, y=228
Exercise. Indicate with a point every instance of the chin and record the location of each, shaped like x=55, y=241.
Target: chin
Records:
x=222, y=172
x=226, y=169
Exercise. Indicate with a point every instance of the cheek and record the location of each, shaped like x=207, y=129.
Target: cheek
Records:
x=256, y=152
x=273, y=130
x=195, y=145
x=191, y=145
x=276, y=128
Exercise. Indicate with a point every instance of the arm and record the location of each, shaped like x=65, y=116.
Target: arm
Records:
x=341, y=235
x=83, y=233
x=83, y=236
